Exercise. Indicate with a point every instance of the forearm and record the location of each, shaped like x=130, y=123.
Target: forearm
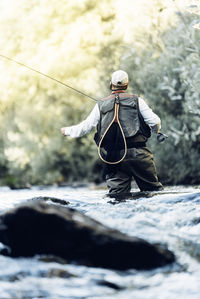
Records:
x=85, y=126
x=78, y=130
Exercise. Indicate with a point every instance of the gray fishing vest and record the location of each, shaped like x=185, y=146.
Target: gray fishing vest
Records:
x=128, y=114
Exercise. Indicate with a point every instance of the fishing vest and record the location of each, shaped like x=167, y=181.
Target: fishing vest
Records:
x=128, y=114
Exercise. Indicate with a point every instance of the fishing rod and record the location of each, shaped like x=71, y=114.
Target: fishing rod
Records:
x=45, y=75
x=160, y=138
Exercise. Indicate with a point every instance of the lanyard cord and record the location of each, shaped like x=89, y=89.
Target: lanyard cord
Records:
x=115, y=119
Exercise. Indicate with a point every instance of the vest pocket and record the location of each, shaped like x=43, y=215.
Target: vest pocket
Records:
x=130, y=104
x=107, y=106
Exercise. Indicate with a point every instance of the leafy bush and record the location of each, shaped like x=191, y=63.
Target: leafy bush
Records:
x=54, y=38
x=170, y=83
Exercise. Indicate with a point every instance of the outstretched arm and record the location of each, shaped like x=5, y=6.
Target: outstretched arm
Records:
x=85, y=126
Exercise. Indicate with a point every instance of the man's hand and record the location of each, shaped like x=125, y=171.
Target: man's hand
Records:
x=161, y=137
x=63, y=131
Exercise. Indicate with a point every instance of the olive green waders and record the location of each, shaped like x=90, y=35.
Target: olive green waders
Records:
x=138, y=164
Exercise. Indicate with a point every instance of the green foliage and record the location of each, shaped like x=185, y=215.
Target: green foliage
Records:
x=170, y=82
x=54, y=38
x=81, y=42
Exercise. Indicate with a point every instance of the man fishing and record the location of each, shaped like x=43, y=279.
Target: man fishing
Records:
x=124, y=124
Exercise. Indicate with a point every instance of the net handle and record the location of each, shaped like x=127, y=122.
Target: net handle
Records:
x=115, y=119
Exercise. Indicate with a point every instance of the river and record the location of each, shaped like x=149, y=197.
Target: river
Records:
x=172, y=219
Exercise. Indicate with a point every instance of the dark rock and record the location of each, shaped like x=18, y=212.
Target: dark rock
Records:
x=51, y=199
x=192, y=247
x=109, y=284
x=195, y=221
x=51, y=259
x=39, y=228
x=14, y=277
x=56, y=272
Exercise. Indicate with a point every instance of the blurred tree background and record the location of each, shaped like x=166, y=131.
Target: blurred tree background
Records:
x=81, y=43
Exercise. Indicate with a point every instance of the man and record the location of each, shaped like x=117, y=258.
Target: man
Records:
x=136, y=121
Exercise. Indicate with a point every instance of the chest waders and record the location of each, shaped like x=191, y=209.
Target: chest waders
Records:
x=116, y=121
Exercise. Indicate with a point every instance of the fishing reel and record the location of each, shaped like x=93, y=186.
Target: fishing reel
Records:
x=161, y=137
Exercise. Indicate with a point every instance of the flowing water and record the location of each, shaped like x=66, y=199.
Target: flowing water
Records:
x=172, y=219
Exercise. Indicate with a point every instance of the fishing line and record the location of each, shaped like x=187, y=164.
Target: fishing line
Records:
x=45, y=75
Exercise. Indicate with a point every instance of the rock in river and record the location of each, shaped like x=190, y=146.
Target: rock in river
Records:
x=39, y=228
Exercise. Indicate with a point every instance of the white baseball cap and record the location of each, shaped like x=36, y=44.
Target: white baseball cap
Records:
x=119, y=78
